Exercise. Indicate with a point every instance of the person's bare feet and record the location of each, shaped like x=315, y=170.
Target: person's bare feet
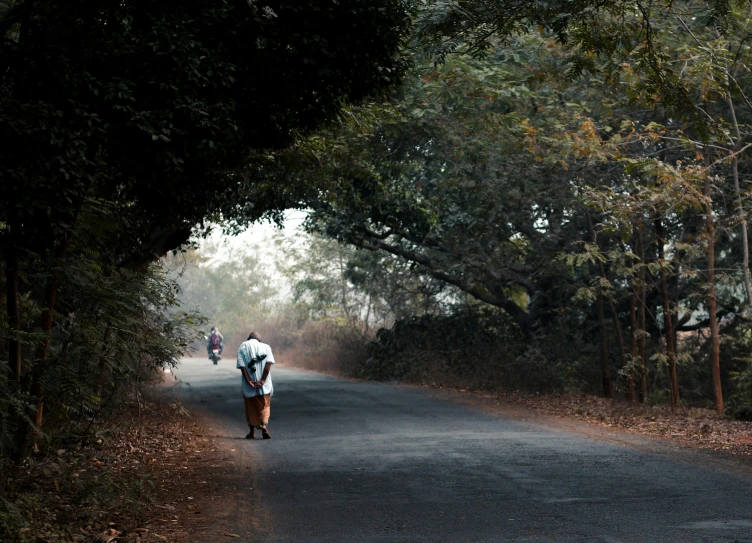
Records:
x=251, y=434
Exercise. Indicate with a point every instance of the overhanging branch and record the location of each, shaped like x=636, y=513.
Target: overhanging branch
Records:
x=521, y=317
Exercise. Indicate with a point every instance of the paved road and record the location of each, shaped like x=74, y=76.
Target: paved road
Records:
x=370, y=462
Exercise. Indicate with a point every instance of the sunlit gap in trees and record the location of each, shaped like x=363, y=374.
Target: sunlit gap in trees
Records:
x=287, y=284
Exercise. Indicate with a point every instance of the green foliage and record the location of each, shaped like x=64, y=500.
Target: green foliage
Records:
x=113, y=334
x=475, y=347
x=504, y=179
x=573, y=160
x=613, y=38
x=126, y=127
x=738, y=361
x=281, y=286
x=740, y=403
x=422, y=183
x=156, y=113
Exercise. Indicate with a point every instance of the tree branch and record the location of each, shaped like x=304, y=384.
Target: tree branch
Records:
x=521, y=317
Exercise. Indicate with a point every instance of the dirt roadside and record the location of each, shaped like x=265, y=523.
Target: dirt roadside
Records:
x=203, y=477
x=159, y=474
x=201, y=486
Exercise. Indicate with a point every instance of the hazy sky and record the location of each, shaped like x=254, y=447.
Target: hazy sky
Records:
x=255, y=235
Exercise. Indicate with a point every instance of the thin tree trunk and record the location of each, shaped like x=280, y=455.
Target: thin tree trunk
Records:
x=11, y=296
x=343, y=283
x=617, y=325
x=642, y=341
x=715, y=339
x=641, y=311
x=40, y=362
x=45, y=322
x=368, y=317
x=620, y=341
x=739, y=202
x=14, y=235
x=673, y=379
x=608, y=391
x=102, y=363
x=631, y=393
x=743, y=221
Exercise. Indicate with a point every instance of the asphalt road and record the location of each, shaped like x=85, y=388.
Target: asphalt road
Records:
x=371, y=462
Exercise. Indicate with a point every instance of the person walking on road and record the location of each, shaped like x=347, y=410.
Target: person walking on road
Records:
x=255, y=361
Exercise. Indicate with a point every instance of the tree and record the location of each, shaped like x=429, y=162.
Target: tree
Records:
x=126, y=123
x=420, y=178
x=424, y=187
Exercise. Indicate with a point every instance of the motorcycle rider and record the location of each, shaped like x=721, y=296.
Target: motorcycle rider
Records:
x=215, y=340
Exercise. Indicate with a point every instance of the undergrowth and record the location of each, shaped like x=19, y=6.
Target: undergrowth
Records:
x=91, y=491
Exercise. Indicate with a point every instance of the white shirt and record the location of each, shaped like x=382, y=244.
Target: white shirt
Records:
x=247, y=352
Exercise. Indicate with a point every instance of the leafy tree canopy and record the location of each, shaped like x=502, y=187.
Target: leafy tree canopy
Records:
x=126, y=124
x=153, y=105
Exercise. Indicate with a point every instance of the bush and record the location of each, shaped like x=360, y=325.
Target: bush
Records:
x=326, y=346
x=478, y=347
x=112, y=334
x=739, y=405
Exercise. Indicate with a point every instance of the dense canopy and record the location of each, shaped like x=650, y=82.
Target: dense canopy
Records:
x=597, y=193
x=126, y=126
x=560, y=188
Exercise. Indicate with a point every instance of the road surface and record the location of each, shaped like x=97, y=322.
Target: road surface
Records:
x=369, y=462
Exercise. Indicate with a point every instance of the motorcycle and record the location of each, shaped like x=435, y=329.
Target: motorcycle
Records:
x=214, y=356
x=214, y=353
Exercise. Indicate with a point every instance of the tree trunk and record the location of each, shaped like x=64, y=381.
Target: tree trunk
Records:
x=743, y=221
x=619, y=335
x=641, y=311
x=673, y=378
x=631, y=393
x=11, y=296
x=102, y=363
x=608, y=391
x=40, y=361
x=39, y=368
x=715, y=339
x=739, y=202
x=14, y=234
x=45, y=322
x=620, y=341
x=642, y=343
x=367, y=327
x=617, y=328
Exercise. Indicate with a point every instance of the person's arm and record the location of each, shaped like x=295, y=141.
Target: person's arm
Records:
x=241, y=365
x=267, y=369
x=221, y=337
x=247, y=377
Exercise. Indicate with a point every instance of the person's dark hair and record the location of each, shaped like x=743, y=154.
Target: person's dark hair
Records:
x=254, y=335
